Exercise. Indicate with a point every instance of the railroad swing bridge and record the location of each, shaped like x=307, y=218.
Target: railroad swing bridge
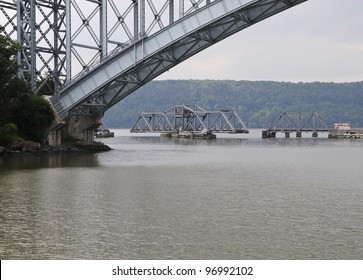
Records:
x=189, y=121
x=127, y=46
x=298, y=123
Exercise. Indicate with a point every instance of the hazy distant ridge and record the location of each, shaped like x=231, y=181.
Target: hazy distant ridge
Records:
x=258, y=102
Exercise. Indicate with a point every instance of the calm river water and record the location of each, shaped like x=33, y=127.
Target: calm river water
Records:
x=235, y=197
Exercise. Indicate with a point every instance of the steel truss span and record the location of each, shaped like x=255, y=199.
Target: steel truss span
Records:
x=117, y=50
x=295, y=122
x=189, y=118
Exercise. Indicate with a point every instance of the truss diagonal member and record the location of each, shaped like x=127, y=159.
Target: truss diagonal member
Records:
x=79, y=57
x=284, y=122
x=194, y=7
x=213, y=123
x=147, y=122
x=228, y=123
x=157, y=15
x=201, y=126
x=291, y=122
x=11, y=21
x=242, y=125
x=169, y=126
x=120, y=19
x=86, y=22
x=315, y=123
x=8, y=5
x=45, y=63
x=166, y=56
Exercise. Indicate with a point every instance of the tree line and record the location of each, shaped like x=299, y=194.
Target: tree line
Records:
x=258, y=103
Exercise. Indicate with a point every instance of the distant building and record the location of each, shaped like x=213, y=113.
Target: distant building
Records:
x=342, y=126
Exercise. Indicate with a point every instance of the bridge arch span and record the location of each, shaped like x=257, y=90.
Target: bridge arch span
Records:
x=99, y=88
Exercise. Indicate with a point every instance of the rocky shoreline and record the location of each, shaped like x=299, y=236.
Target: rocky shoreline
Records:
x=33, y=148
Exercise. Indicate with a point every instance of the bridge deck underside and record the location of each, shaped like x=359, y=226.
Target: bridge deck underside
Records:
x=98, y=89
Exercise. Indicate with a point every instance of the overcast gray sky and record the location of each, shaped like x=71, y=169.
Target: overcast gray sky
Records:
x=319, y=40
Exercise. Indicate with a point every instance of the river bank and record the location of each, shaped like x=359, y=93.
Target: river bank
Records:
x=28, y=148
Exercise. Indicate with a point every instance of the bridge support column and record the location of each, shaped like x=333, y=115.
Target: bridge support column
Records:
x=82, y=127
x=268, y=134
x=55, y=134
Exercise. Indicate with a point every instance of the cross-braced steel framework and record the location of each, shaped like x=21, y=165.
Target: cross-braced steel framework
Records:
x=60, y=38
x=190, y=118
x=40, y=29
x=115, y=47
x=299, y=122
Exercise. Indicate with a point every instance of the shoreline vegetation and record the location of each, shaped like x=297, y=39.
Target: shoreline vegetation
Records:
x=29, y=148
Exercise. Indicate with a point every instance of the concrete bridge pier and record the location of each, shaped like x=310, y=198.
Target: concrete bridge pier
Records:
x=82, y=127
x=76, y=127
x=55, y=134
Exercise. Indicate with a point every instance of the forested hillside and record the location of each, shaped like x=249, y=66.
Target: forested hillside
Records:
x=258, y=103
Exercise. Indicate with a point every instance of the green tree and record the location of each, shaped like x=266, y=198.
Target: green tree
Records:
x=8, y=133
x=32, y=115
x=21, y=112
x=8, y=70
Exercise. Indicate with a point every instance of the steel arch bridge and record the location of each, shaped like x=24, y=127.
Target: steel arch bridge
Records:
x=115, y=47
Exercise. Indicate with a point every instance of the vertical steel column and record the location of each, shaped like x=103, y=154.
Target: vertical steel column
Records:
x=103, y=28
x=142, y=18
x=57, y=25
x=59, y=70
x=68, y=41
x=171, y=11
x=136, y=18
x=56, y=68
x=27, y=40
x=181, y=8
x=19, y=33
x=33, y=68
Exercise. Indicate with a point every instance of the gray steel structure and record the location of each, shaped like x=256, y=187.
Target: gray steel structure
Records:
x=299, y=122
x=40, y=29
x=117, y=48
x=189, y=118
x=61, y=37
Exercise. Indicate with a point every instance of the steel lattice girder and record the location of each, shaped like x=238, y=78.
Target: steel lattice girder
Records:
x=190, y=118
x=306, y=122
x=124, y=72
x=39, y=28
x=52, y=49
